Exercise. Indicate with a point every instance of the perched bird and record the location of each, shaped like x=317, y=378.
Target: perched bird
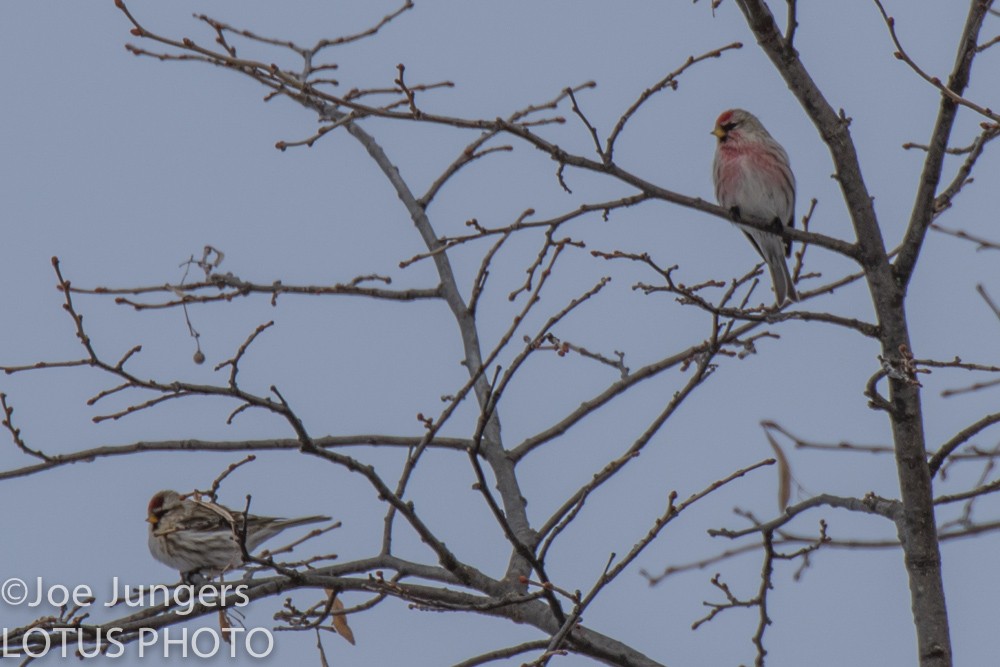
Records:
x=753, y=179
x=199, y=538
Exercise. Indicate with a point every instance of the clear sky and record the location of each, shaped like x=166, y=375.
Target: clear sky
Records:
x=124, y=167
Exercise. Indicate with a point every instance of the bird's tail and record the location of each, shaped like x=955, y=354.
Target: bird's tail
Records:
x=781, y=278
x=269, y=527
x=772, y=249
x=290, y=523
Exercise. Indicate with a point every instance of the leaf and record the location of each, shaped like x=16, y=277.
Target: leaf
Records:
x=784, y=473
x=225, y=626
x=339, y=621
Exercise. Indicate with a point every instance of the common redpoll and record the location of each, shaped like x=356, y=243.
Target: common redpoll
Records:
x=199, y=538
x=753, y=179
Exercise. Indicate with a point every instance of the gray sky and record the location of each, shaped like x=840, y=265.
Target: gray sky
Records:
x=124, y=167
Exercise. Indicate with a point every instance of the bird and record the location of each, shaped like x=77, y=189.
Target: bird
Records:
x=199, y=538
x=753, y=179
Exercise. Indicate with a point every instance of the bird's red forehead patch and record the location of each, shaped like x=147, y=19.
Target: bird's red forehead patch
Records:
x=724, y=117
x=155, y=504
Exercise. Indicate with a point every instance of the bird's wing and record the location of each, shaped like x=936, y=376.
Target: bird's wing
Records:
x=208, y=516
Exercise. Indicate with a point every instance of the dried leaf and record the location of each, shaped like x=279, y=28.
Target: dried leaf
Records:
x=225, y=627
x=340, y=621
x=784, y=473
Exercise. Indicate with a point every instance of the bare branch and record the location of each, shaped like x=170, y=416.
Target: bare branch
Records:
x=989, y=302
x=586, y=123
x=956, y=86
x=328, y=442
x=240, y=288
x=503, y=653
x=981, y=243
x=926, y=203
x=571, y=507
x=15, y=433
x=669, y=81
x=960, y=438
x=964, y=175
x=870, y=504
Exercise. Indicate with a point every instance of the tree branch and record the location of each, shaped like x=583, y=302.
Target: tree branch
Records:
x=924, y=208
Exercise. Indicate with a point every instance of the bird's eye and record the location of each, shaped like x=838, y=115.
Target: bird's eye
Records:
x=729, y=127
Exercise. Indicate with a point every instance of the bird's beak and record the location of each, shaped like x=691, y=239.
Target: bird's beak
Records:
x=718, y=132
x=151, y=520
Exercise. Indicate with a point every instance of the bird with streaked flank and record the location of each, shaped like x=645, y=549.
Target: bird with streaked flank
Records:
x=199, y=538
x=753, y=179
